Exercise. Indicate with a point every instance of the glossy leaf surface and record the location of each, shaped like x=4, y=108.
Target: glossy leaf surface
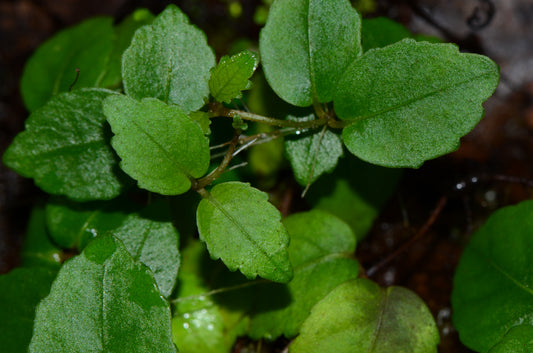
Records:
x=150, y=238
x=103, y=301
x=412, y=101
x=494, y=279
x=312, y=152
x=169, y=60
x=231, y=75
x=22, y=289
x=321, y=245
x=305, y=47
x=244, y=230
x=360, y=317
x=160, y=146
x=52, y=68
x=37, y=248
x=518, y=339
x=65, y=148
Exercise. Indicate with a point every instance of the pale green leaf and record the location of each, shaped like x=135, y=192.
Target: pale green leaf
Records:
x=169, y=60
x=518, y=339
x=312, y=152
x=65, y=148
x=160, y=146
x=321, y=245
x=52, y=68
x=412, y=101
x=242, y=228
x=103, y=301
x=231, y=75
x=494, y=279
x=360, y=317
x=306, y=46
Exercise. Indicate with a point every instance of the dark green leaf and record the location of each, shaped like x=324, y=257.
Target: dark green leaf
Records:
x=321, y=245
x=37, y=249
x=169, y=60
x=160, y=146
x=494, y=279
x=412, y=101
x=305, y=47
x=103, y=301
x=65, y=148
x=518, y=339
x=360, y=317
x=150, y=238
x=242, y=228
x=52, y=69
x=22, y=289
x=312, y=153
x=381, y=31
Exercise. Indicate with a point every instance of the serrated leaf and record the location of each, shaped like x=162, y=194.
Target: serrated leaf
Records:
x=412, y=101
x=358, y=316
x=492, y=284
x=73, y=225
x=22, y=289
x=123, y=34
x=305, y=47
x=518, y=339
x=379, y=32
x=37, y=248
x=231, y=75
x=150, y=238
x=103, y=301
x=160, y=146
x=243, y=229
x=65, y=148
x=312, y=153
x=52, y=68
x=169, y=60
x=321, y=245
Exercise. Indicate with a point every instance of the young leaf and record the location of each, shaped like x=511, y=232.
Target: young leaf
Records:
x=492, y=284
x=242, y=228
x=103, y=301
x=37, y=249
x=519, y=339
x=160, y=146
x=150, y=238
x=412, y=101
x=169, y=60
x=381, y=31
x=65, y=148
x=321, y=245
x=231, y=75
x=52, y=69
x=22, y=289
x=358, y=316
x=312, y=153
x=305, y=47
x=73, y=225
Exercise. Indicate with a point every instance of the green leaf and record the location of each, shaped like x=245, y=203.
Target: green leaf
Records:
x=37, y=249
x=358, y=316
x=22, y=289
x=306, y=46
x=150, y=238
x=381, y=31
x=231, y=75
x=321, y=245
x=52, y=68
x=103, y=301
x=242, y=228
x=203, y=120
x=412, y=101
x=123, y=34
x=65, y=148
x=169, y=60
x=494, y=279
x=518, y=339
x=160, y=146
x=312, y=152
x=73, y=225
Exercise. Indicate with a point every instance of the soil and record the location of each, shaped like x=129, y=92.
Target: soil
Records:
x=440, y=204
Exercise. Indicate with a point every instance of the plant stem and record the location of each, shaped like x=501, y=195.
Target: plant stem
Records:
x=209, y=178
